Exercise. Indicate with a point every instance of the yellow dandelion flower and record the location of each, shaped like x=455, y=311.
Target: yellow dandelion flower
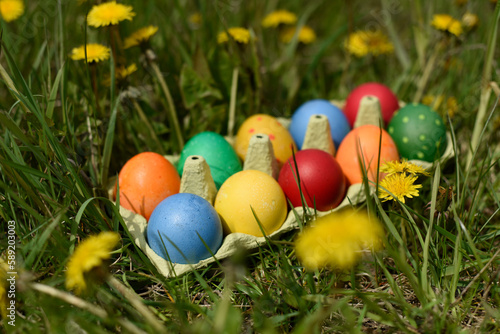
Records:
x=278, y=17
x=140, y=36
x=239, y=34
x=95, y=53
x=306, y=35
x=89, y=256
x=195, y=19
x=11, y=10
x=398, y=186
x=109, y=13
x=447, y=23
x=363, y=42
x=121, y=73
x=402, y=167
x=470, y=21
x=338, y=240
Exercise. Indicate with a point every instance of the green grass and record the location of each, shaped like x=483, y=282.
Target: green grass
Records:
x=61, y=142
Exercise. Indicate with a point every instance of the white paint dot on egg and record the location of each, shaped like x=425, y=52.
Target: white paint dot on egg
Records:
x=391, y=130
x=425, y=147
x=438, y=122
x=405, y=140
x=421, y=116
x=406, y=119
x=420, y=155
x=421, y=137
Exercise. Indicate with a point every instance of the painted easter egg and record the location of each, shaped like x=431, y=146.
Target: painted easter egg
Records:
x=419, y=132
x=280, y=137
x=246, y=191
x=178, y=225
x=364, y=141
x=145, y=180
x=339, y=126
x=388, y=101
x=321, y=180
x=217, y=152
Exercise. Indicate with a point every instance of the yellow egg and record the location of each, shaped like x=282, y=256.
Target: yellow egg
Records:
x=280, y=137
x=247, y=190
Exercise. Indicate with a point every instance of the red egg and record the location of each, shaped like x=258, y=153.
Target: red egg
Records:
x=146, y=180
x=321, y=180
x=388, y=101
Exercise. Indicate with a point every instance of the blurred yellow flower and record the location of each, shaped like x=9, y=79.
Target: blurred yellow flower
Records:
x=195, y=19
x=90, y=256
x=338, y=240
x=432, y=101
x=398, y=186
x=306, y=35
x=95, y=53
x=140, y=36
x=451, y=106
x=447, y=23
x=240, y=35
x=470, y=21
x=436, y=102
x=363, y=42
x=278, y=17
x=402, y=167
x=11, y=10
x=121, y=73
x=109, y=13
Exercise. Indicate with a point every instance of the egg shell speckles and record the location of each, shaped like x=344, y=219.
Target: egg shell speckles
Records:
x=339, y=126
x=247, y=190
x=419, y=132
x=145, y=180
x=217, y=152
x=179, y=219
x=280, y=138
x=365, y=139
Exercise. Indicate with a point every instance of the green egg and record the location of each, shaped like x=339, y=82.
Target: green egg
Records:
x=217, y=152
x=419, y=132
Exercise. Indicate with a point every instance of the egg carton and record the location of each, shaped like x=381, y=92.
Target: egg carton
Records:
x=197, y=180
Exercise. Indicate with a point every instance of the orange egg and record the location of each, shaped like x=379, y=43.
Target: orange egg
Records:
x=281, y=139
x=365, y=141
x=145, y=180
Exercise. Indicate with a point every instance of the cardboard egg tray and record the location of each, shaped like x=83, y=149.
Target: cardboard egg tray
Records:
x=197, y=179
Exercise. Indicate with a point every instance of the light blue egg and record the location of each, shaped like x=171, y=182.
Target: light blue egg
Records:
x=339, y=126
x=176, y=225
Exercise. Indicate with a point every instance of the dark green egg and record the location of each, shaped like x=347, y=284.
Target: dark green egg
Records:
x=218, y=153
x=419, y=132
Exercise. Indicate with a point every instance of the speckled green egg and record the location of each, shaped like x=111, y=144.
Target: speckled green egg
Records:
x=419, y=132
x=217, y=152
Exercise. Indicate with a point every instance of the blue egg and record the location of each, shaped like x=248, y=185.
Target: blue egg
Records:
x=339, y=126
x=176, y=225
